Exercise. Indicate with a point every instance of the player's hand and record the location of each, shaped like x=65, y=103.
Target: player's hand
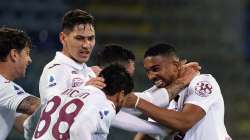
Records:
x=97, y=82
x=129, y=100
x=96, y=70
x=193, y=65
x=188, y=71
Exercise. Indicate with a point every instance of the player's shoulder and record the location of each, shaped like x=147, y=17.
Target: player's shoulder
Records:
x=207, y=78
x=96, y=97
x=203, y=80
x=55, y=67
x=95, y=94
x=98, y=105
x=9, y=88
x=4, y=83
x=54, y=64
x=204, y=85
x=203, y=76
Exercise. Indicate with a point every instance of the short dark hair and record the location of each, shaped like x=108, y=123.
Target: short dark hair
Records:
x=114, y=54
x=12, y=38
x=116, y=79
x=160, y=49
x=76, y=17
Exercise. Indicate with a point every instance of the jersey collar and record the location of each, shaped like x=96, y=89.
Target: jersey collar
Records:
x=3, y=79
x=63, y=59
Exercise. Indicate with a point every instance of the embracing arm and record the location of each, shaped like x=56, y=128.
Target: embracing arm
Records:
x=181, y=121
x=28, y=105
x=31, y=121
x=18, y=125
x=187, y=73
x=201, y=96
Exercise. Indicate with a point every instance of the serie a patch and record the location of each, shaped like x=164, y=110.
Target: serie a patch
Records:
x=51, y=80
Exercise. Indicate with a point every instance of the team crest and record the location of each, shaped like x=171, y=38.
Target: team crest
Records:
x=51, y=81
x=203, y=88
x=77, y=82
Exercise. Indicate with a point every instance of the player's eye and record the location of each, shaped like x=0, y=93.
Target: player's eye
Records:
x=91, y=38
x=79, y=38
x=155, y=69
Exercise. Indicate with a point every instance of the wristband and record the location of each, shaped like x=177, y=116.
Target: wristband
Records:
x=137, y=101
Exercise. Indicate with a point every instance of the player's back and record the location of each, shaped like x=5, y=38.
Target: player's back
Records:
x=77, y=113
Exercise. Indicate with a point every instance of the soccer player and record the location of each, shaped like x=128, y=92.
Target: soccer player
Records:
x=68, y=69
x=14, y=58
x=197, y=113
x=118, y=54
x=85, y=112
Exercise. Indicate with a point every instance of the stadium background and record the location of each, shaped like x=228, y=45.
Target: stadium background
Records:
x=214, y=32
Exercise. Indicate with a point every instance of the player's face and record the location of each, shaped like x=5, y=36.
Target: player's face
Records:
x=131, y=67
x=79, y=43
x=22, y=61
x=161, y=70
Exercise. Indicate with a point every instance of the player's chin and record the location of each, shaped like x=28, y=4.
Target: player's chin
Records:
x=83, y=59
x=22, y=74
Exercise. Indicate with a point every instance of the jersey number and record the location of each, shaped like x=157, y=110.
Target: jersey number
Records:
x=68, y=112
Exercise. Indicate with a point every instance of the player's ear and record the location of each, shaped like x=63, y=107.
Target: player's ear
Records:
x=13, y=55
x=62, y=37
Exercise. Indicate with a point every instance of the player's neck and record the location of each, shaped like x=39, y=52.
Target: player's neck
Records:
x=113, y=99
x=7, y=71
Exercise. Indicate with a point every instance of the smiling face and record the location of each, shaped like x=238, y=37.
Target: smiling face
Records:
x=161, y=70
x=79, y=43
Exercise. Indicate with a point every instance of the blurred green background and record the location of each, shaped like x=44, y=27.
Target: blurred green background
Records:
x=216, y=33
